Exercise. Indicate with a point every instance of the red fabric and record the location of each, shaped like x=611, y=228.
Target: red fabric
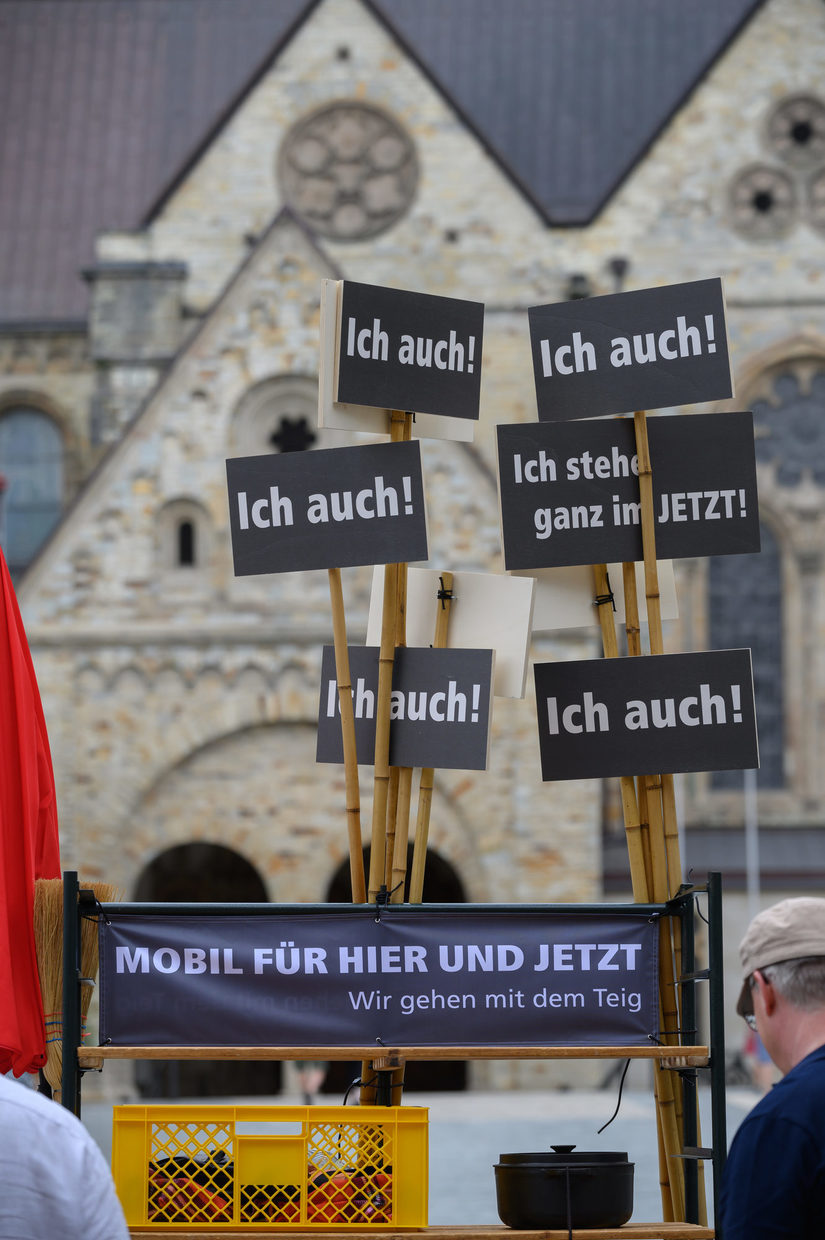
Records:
x=29, y=847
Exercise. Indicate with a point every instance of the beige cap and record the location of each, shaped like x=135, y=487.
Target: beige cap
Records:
x=788, y=930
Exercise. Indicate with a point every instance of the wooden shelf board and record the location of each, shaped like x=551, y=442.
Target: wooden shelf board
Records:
x=687, y=1056
x=630, y=1231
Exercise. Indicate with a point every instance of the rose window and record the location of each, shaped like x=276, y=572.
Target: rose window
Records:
x=349, y=171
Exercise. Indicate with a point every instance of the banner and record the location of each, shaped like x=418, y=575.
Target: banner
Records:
x=570, y=491
x=354, y=977
x=328, y=509
x=439, y=713
x=641, y=350
x=644, y=715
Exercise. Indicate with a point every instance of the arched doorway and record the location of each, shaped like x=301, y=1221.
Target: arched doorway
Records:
x=441, y=886
x=203, y=874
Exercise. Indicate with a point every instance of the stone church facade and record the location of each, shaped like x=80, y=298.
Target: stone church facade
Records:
x=181, y=701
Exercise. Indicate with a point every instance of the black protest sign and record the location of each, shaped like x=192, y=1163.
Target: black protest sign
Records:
x=642, y=350
x=645, y=715
x=439, y=714
x=346, y=977
x=327, y=509
x=401, y=350
x=570, y=490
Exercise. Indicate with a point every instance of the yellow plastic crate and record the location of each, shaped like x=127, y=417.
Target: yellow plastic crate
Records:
x=271, y=1167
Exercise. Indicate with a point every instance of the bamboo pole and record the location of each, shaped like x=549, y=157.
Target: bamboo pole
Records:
x=660, y=793
x=400, y=430
x=392, y=815
x=397, y=854
x=671, y=1133
x=639, y=870
x=425, y=787
x=648, y=521
x=646, y=874
x=668, y=1215
x=399, y=784
x=398, y=827
x=398, y=876
x=353, y=796
x=645, y=878
x=663, y=833
x=386, y=658
x=654, y=619
x=398, y=814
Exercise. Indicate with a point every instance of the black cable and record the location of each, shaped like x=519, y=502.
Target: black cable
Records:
x=350, y=1088
x=618, y=1100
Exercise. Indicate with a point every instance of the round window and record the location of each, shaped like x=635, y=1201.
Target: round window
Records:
x=349, y=171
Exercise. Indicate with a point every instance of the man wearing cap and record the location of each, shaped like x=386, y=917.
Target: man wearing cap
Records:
x=774, y=1181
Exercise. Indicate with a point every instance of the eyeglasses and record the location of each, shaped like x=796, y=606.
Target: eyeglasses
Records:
x=750, y=1018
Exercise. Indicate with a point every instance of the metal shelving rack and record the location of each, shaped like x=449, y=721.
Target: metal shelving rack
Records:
x=687, y=1058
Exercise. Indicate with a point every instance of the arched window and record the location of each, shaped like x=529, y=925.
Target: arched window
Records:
x=276, y=415
x=186, y=544
x=745, y=609
x=31, y=468
x=184, y=536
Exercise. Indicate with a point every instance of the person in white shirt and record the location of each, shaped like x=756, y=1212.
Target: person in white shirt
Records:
x=56, y=1184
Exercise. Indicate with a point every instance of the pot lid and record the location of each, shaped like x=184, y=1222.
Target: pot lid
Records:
x=563, y=1155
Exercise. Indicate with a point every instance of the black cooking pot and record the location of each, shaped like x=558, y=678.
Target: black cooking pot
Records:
x=545, y=1191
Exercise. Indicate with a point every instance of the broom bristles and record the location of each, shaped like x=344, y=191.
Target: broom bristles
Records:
x=48, y=936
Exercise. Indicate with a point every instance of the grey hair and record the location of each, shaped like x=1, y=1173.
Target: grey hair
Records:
x=800, y=981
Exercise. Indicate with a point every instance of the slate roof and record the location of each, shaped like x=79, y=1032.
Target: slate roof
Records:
x=104, y=103
x=101, y=101
x=568, y=93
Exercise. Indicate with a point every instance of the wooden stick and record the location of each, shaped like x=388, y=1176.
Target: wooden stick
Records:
x=399, y=430
x=672, y=1140
x=671, y=829
x=664, y=1172
x=353, y=796
x=386, y=658
x=425, y=787
x=658, y=858
x=400, y=823
x=644, y=830
x=639, y=875
x=654, y=619
x=663, y=834
x=668, y=1092
x=632, y=625
x=648, y=520
x=398, y=876
x=392, y=815
x=659, y=793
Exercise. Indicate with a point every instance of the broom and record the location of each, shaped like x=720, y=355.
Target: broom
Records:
x=48, y=937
